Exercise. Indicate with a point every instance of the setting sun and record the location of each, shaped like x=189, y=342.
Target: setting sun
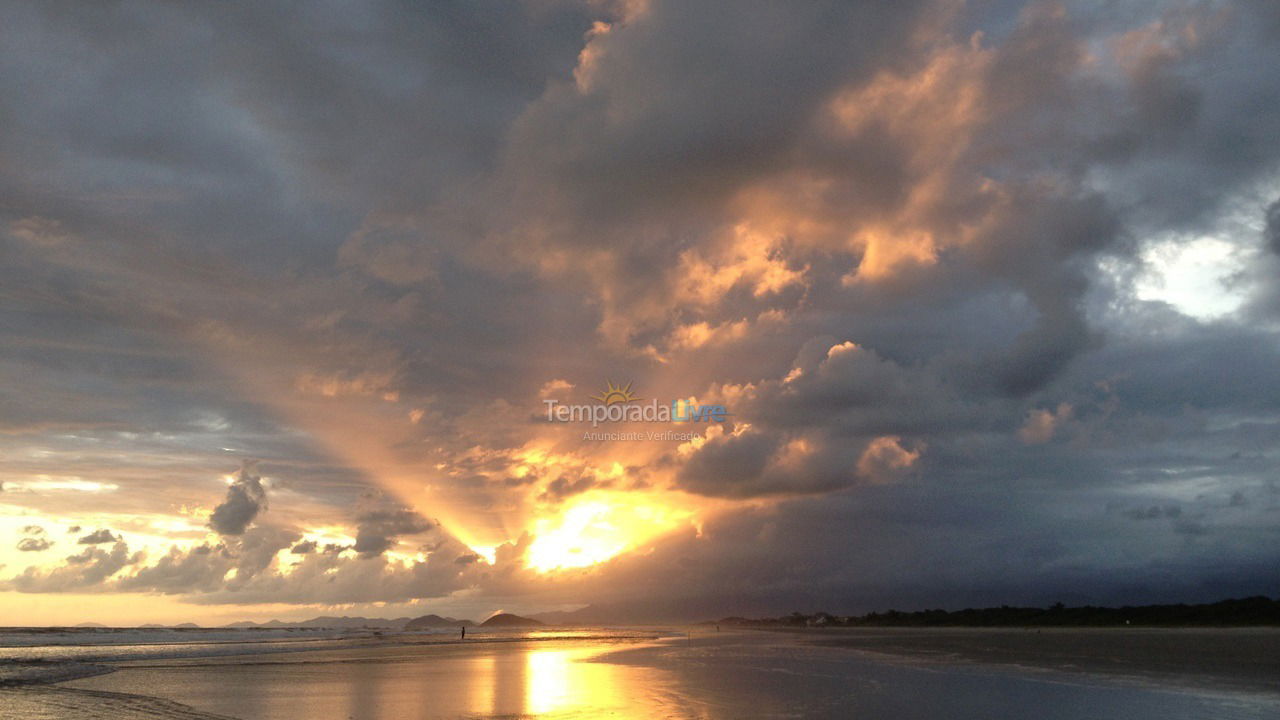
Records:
x=595, y=530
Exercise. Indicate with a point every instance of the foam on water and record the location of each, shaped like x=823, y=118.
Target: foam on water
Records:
x=54, y=703
x=32, y=673
x=41, y=636
x=119, y=645
x=25, y=692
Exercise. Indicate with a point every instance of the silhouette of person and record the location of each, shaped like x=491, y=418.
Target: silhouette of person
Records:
x=464, y=633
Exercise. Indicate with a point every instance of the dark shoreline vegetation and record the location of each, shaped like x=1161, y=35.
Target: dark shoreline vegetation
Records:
x=1243, y=612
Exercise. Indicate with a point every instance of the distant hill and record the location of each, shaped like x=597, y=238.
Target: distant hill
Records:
x=647, y=612
x=509, y=620
x=90, y=625
x=354, y=622
x=435, y=621
x=323, y=622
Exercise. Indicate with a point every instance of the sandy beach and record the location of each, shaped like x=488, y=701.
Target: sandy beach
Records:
x=688, y=673
x=1226, y=658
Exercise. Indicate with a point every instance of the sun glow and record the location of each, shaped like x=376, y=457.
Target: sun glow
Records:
x=597, y=529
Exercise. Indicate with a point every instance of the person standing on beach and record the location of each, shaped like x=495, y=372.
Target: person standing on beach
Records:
x=464, y=633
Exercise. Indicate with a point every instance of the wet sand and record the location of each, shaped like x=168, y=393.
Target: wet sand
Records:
x=520, y=679
x=733, y=675
x=1228, y=658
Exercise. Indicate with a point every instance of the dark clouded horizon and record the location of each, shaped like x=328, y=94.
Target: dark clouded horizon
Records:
x=988, y=290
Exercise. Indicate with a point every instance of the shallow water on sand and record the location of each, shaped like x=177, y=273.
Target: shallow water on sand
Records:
x=480, y=680
x=729, y=675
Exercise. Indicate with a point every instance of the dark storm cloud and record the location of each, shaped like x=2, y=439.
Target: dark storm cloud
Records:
x=84, y=570
x=567, y=486
x=1200, y=113
x=304, y=548
x=248, y=101
x=200, y=573
x=205, y=568
x=837, y=418
x=378, y=530
x=1272, y=232
x=327, y=578
x=199, y=569
x=1154, y=512
x=35, y=540
x=720, y=121
x=246, y=498
x=915, y=547
x=255, y=552
x=34, y=544
x=97, y=537
x=736, y=460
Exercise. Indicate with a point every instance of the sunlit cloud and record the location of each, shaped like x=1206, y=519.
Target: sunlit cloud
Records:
x=1200, y=277
x=59, y=484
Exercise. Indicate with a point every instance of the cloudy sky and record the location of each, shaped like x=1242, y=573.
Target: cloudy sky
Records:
x=990, y=290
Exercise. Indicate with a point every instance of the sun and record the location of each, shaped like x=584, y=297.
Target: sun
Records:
x=596, y=529
x=615, y=394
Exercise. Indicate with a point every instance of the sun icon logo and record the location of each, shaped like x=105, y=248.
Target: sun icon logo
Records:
x=614, y=394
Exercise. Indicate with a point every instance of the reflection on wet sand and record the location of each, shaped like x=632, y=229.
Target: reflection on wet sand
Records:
x=559, y=680
x=555, y=681
x=544, y=679
x=730, y=676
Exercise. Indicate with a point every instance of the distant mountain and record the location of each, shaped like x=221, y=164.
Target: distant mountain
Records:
x=648, y=612
x=435, y=621
x=363, y=623
x=90, y=625
x=187, y=626
x=151, y=626
x=323, y=622
x=352, y=622
x=509, y=620
x=558, y=617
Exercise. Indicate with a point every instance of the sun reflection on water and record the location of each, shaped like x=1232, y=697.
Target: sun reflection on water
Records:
x=559, y=680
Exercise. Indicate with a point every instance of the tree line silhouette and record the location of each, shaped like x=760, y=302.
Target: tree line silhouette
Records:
x=1259, y=610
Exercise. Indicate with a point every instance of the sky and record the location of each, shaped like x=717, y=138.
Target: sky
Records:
x=988, y=291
